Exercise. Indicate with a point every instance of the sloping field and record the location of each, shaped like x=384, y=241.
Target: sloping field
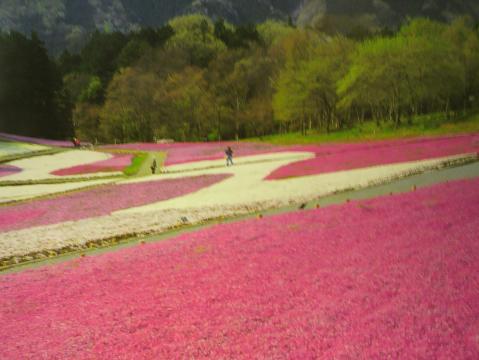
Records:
x=115, y=164
x=394, y=277
x=98, y=201
x=242, y=193
x=180, y=153
x=8, y=148
x=331, y=158
x=44, y=167
x=32, y=140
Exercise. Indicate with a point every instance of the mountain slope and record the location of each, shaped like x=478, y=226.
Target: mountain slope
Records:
x=388, y=12
x=65, y=23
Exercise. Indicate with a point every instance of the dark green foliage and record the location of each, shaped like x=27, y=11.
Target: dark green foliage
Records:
x=69, y=63
x=100, y=54
x=239, y=37
x=32, y=100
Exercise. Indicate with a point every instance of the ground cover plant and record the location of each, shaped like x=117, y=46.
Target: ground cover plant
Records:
x=331, y=158
x=34, y=140
x=9, y=148
x=118, y=162
x=393, y=277
x=179, y=153
x=98, y=201
x=6, y=170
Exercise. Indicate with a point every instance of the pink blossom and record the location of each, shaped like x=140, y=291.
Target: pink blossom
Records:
x=117, y=163
x=331, y=158
x=99, y=201
x=394, y=277
x=6, y=170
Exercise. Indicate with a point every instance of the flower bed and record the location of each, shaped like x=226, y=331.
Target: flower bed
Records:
x=6, y=170
x=331, y=158
x=38, y=141
x=117, y=163
x=244, y=193
x=8, y=149
x=179, y=153
x=392, y=277
x=98, y=201
x=42, y=167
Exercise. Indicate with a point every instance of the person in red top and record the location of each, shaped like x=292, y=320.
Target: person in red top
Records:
x=76, y=142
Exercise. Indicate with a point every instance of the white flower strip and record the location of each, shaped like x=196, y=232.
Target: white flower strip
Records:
x=12, y=148
x=247, y=184
x=40, y=167
x=244, y=193
x=220, y=163
x=24, y=192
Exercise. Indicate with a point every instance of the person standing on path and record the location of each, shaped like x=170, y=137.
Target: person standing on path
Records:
x=229, y=156
x=153, y=166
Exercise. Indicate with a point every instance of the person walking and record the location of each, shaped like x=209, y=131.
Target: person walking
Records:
x=229, y=156
x=153, y=166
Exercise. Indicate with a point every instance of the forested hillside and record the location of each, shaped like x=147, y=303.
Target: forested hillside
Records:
x=197, y=79
x=66, y=24
x=143, y=70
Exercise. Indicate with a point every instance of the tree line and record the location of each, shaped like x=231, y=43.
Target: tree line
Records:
x=195, y=79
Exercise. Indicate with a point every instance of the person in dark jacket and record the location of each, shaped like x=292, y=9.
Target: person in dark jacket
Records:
x=229, y=156
x=153, y=166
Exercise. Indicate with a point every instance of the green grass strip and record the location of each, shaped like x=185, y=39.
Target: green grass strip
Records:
x=426, y=125
x=136, y=164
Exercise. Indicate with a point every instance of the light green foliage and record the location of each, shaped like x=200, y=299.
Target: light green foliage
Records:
x=272, y=32
x=187, y=104
x=394, y=76
x=306, y=88
x=130, y=111
x=194, y=34
x=93, y=91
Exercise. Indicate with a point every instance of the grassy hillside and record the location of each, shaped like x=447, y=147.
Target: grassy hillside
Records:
x=427, y=125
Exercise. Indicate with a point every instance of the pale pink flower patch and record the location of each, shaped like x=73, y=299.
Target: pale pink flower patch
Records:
x=117, y=163
x=99, y=201
x=331, y=158
x=394, y=277
x=6, y=170
x=38, y=141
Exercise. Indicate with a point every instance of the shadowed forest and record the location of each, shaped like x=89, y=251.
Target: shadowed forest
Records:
x=198, y=79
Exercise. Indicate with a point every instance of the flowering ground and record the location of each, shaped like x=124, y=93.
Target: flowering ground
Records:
x=331, y=158
x=6, y=170
x=117, y=163
x=38, y=141
x=42, y=167
x=98, y=201
x=8, y=148
x=394, y=277
x=179, y=153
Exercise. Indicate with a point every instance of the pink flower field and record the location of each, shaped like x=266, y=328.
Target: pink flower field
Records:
x=331, y=158
x=99, y=201
x=394, y=277
x=117, y=163
x=6, y=170
x=179, y=153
